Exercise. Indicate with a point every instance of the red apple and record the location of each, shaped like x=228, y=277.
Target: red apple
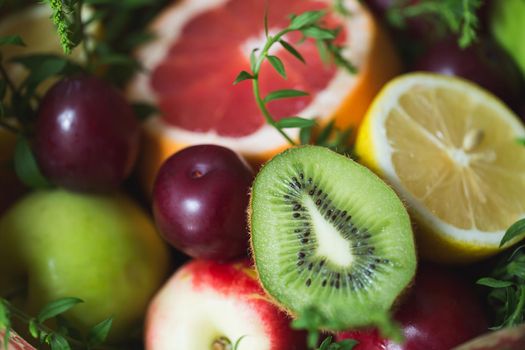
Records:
x=15, y=342
x=441, y=312
x=211, y=305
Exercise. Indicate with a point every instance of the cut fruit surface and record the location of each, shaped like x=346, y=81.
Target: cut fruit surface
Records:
x=450, y=149
x=200, y=48
x=328, y=234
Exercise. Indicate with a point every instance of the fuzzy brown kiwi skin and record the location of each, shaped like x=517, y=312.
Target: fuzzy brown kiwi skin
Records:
x=399, y=300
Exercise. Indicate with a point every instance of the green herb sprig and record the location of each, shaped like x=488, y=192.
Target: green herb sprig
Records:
x=65, y=337
x=456, y=16
x=507, y=294
x=312, y=321
x=310, y=25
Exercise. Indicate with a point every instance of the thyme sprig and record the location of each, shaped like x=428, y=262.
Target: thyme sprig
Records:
x=310, y=25
x=66, y=337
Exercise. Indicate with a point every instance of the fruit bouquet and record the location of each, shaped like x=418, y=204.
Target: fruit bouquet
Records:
x=262, y=174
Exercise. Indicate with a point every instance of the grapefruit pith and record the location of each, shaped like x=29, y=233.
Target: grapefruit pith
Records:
x=201, y=46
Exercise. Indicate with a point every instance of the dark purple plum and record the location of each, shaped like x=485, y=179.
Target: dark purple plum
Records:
x=200, y=199
x=484, y=63
x=87, y=136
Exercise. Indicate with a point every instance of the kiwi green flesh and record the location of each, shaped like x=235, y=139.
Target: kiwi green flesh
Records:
x=329, y=234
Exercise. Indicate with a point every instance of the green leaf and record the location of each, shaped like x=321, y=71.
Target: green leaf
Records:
x=57, y=307
x=98, y=334
x=12, y=40
x=144, y=110
x=277, y=64
x=244, y=75
x=58, y=342
x=521, y=141
x=325, y=345
x=295, y=122
x=33, y=328
x=306, y=19
x=319, y=33
x=285, y=93
x=292, y=50
x=322, y=49
x=26, y=167
x=325, y=134
x=347, y=344
x=305, y=136
x=515, y=230
x=494, y=283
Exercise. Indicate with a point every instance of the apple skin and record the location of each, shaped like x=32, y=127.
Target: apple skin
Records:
x=101, y=249
x=16, y=342
x=441, y=311
x=205, y=300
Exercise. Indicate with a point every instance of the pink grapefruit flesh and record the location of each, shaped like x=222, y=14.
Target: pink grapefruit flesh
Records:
x=193, y=83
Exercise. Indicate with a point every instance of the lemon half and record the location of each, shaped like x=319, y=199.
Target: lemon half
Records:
x=450, y=150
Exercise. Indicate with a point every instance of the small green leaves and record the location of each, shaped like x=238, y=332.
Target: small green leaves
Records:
x=310, y=26
x=285, y=93
x=295, y=122
x=292, y=50
x=98, y=334
x=347, y=344
x=26, y=167
x=507, y=283
x=493, y=283
x=277, y=65
x=11, y=40
x=306, y=19
x=312, y=321
x=515, y=230
x=57, y=307
x=244, y=75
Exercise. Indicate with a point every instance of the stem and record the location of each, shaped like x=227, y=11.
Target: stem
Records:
x=256, y=88
x=514, y=318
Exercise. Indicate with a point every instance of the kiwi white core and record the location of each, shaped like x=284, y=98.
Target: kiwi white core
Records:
x=330, y=244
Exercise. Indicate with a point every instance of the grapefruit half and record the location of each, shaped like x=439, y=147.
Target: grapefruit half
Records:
x=201, y=46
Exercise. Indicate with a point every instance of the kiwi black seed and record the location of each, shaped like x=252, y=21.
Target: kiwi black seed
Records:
x=328, y=233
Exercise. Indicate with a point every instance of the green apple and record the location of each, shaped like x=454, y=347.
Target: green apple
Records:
x=102, y=249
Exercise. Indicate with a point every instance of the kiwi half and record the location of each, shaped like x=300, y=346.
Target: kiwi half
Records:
x=328, y=234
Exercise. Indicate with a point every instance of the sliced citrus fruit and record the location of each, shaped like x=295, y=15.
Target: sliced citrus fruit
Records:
x=202, y=45
x=451, y=151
